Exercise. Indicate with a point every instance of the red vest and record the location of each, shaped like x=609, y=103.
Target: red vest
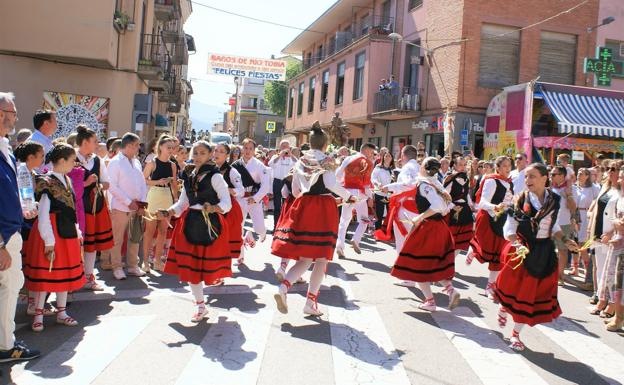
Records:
x=358, y=174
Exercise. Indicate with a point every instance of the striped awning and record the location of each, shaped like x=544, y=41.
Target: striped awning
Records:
x=586, y=111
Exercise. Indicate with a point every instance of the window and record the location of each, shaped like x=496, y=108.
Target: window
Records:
x=324, y=89
x=499, y=57
x=309, y=60
x=319, y=54
x=291, y=101
x=311, y=94
x=358, y=81
x=300, y=98
x=364, y=24
x=415, y=3
x=412, y=66
x=340, y=80
x=557, y=57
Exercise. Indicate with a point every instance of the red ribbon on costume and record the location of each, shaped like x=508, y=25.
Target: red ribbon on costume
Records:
x=487, y=177
x=406, y=200
x=358, y=174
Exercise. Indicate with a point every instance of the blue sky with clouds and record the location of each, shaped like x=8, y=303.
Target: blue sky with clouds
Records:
x=228, y=34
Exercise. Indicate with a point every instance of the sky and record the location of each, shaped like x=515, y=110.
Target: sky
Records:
x=217, y=32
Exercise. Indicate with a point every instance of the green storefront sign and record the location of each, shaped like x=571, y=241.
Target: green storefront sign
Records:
x=603, y=66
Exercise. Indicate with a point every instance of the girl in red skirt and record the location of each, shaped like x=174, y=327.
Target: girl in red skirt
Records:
x=234, y=217
x=200, y=251
x=53, y=260
x=425, y=258
x=526, y=288
x=98, y=233
x=308, y=230
x=494, y=196
x=288, y=201
x=460, y=219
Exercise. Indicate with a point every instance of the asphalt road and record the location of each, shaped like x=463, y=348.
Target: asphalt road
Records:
x=139, y=332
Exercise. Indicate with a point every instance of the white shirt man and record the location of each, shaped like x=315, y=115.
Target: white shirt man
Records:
x=128, y=191
x=354, y=174
x=517, y=175
x=281, y=164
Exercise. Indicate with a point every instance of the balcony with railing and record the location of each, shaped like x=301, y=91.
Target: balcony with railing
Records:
x=154, y=62
x=396, y=103
x=166, y=10
x=370, y=26
x=178, y=50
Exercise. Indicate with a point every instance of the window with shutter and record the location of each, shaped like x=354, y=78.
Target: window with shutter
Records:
x=557, y=57
x=499, y=56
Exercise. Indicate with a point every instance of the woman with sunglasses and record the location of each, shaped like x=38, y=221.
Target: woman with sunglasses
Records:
x=425, y=258
x=494, y=196
x=587, y=193
x=600, y=216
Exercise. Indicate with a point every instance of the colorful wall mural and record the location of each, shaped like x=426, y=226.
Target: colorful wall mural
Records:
x=72, y=109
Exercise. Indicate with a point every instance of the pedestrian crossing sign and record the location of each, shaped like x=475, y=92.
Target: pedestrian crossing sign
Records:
x=270, y=126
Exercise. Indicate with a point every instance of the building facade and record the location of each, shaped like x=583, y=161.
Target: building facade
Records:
x=449, y=58
x=116, y=65
x=612, y=36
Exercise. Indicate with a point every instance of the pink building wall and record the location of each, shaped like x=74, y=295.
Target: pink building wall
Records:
x=613, y=31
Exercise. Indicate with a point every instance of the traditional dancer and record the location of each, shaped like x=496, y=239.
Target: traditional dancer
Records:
x=527, y=285
x=98, y=234
x=354, y=174
x=256, y=179
x=52, y=254
x=161, y=178
x=200, y=251
x=234, y=217
x=288, y=198
x=494, y=196
x=425, y=258
x=460, y=219
x=300, y=234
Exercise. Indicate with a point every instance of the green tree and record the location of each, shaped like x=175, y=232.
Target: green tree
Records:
x=276, y=92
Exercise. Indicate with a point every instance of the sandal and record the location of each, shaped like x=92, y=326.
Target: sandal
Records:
x=67, y=321
x=604, y=314
x=597, y=310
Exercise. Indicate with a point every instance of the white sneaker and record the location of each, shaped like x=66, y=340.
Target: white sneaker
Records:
x=119, y=274
x=406, y=283
x=312, y=310
x=135, y=272
x=202, y=312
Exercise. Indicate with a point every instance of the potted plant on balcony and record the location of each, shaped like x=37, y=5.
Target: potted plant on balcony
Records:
x=121, y=21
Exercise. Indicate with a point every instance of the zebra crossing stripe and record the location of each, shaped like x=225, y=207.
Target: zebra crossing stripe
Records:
x=86, y=354
x=362, y=351
x=486, y=353
x=232, y=350
x=577, y=342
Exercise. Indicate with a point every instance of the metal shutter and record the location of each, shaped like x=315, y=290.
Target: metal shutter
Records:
x=557, y=57
x=500, y=56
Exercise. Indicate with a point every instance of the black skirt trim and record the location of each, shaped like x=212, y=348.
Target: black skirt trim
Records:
x=307, y=233
x=193, y=256
x=486, y=252
x=513, y=310
x=54, y=268
x=449, y=266
x=185, y=267
x=408, y=255
x=97, y=241
x=303, y=242
x=73, y=279
x=524, y=302
x=99, y=233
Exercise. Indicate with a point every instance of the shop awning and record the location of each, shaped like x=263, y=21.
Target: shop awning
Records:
x=585, y=111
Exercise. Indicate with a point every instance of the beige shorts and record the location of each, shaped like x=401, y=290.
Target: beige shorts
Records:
x=159, y=198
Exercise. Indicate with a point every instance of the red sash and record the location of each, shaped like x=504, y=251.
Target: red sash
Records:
x=358, y=174
x=406, y=200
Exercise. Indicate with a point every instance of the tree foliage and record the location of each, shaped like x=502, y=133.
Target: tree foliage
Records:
x=276, y=92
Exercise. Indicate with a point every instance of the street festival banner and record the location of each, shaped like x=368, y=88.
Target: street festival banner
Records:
x=508, y=122
x=246, y=67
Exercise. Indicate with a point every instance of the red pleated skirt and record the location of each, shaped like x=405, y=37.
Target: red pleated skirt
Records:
x=486, y=245
x=234, y=219
x=462, y=235
x=197, y=263
x=527, y=299
x=428, y=254
x=67, y=268
x=307, y=229
x=98, y=235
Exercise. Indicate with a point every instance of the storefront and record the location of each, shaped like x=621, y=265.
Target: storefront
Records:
x=545, y=119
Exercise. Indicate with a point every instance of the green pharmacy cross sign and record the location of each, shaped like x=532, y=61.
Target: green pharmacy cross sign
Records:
x=603, y=66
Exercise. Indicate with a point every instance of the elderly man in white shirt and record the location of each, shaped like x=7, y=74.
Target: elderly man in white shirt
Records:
x=281, y=164
x=128, y=191
x=569, y=197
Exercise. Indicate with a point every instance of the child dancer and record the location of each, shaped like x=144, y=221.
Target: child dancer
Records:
x=200, y=251
x=494, y=196
x=53, y=260
x=425, y=258
x=460, y=219
x=98, y=235
x=288, y=201
x=526, y=287
x=308, y=231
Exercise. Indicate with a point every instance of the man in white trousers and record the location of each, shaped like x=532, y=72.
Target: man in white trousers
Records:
x=354, y=174
x=256, y=178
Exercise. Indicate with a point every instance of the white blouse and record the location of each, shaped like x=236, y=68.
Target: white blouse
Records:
x=45, y=224
x=489, y=189
x=381, y=177
x=330, y=182
x=235, y=178
x=430, y=193
x=220, y=186
x=586, y=195
x=511, y=225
